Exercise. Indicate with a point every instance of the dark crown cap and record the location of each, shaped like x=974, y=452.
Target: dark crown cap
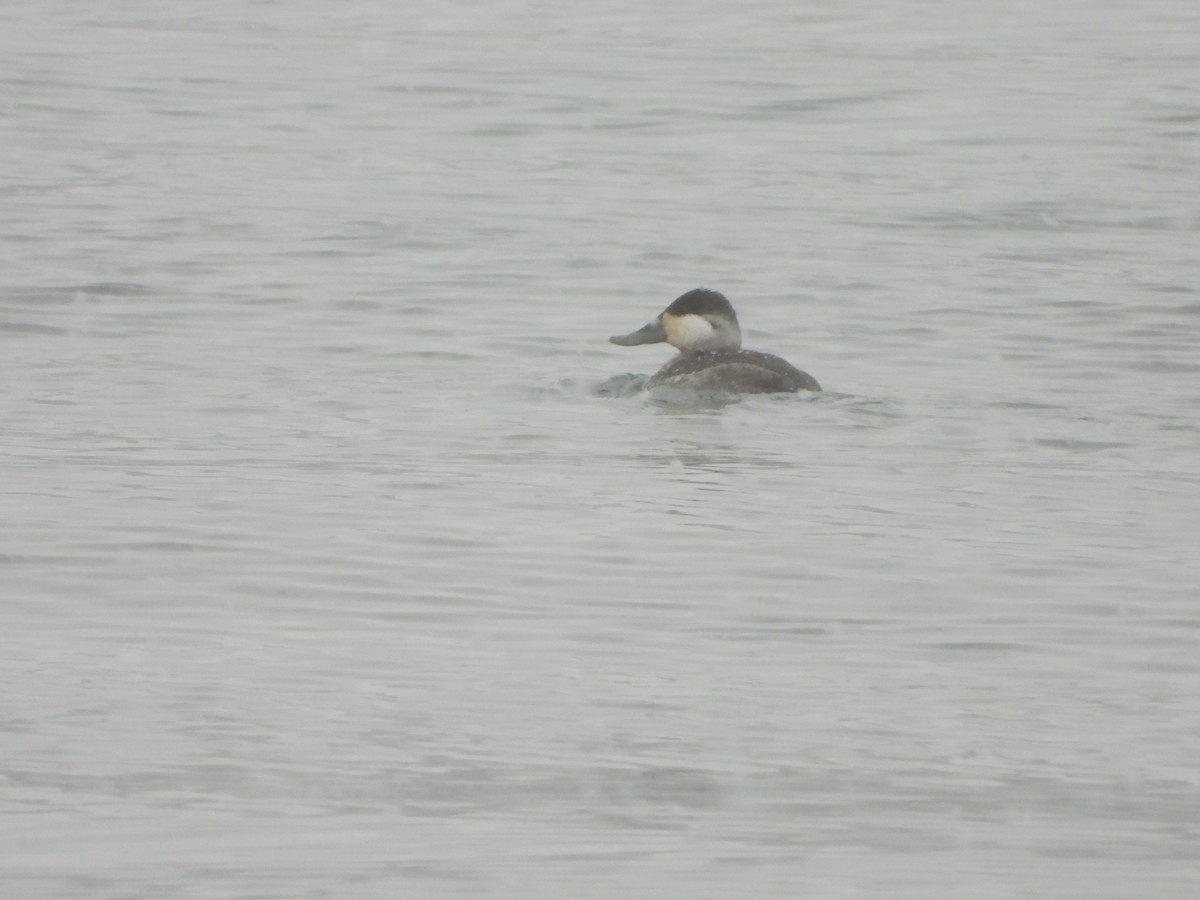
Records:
x=702, y=302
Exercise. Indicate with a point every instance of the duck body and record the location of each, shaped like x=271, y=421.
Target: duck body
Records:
x=741, y=371
x=703, y=327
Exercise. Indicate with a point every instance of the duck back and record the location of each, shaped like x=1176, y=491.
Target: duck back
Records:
x=741, y=371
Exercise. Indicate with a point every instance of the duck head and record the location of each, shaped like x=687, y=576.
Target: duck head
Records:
x=697, y=322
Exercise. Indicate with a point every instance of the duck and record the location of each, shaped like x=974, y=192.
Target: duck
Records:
x=703, y=327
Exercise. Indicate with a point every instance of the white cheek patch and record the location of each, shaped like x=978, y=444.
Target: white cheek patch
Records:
x=687, y=332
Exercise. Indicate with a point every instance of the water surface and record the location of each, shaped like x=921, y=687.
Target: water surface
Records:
x=327, y=572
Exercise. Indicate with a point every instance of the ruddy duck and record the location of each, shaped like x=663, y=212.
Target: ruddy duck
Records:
x=703, y=327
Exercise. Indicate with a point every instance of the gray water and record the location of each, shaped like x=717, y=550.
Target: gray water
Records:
x=327, y=573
